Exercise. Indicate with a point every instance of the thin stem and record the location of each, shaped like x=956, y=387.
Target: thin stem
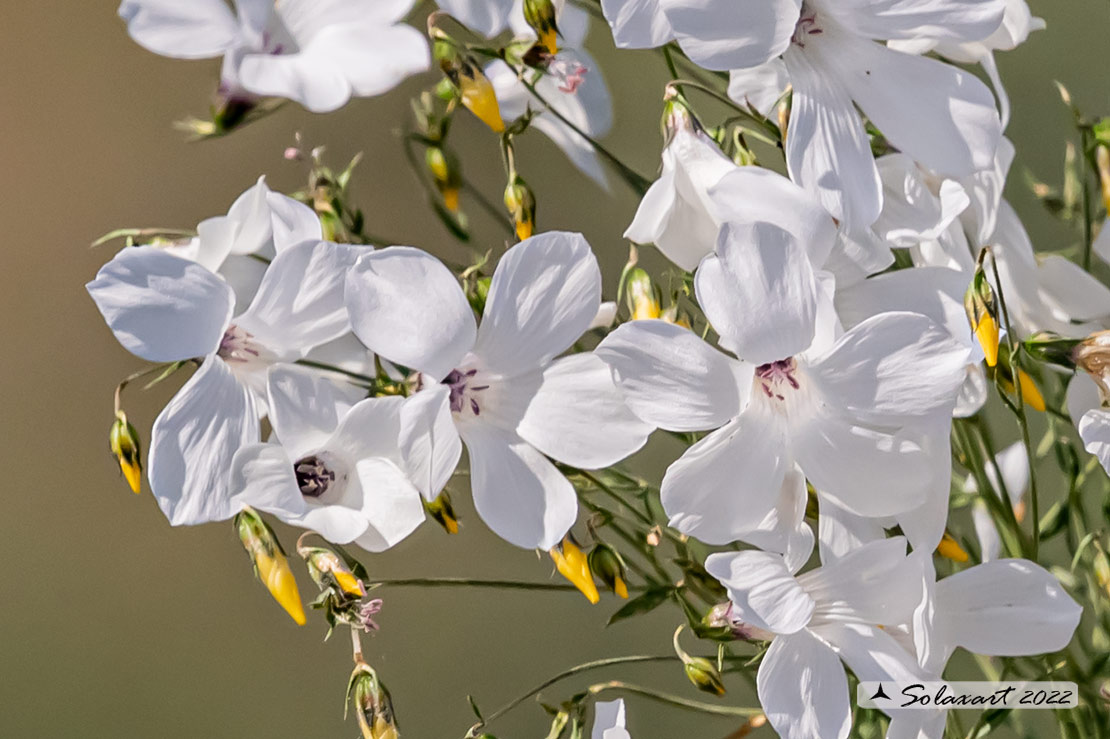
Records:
x=356, y=647
x=670, y=62
x=332, y=368
x=675, y=700
x=613, y=494
x=742, y=113
x=1088, y=216
x=449, y=582
x=168, y=367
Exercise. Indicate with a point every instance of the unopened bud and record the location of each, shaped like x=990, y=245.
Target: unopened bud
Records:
x=269, y=561
x=1092, y=355
x=441, y=508
x=328, y=570
x=1048, y=347
x=447, y=175
x=1030, y=394
x=373, y=707
x=722, y=616
x=606, y=563
x=982, y=314
x=123, y=440
x=572, y=564
x=520, y=201
x=701, y=672
x=540, y=15
x=949, y=548
x=676, y=115
x=642, y=296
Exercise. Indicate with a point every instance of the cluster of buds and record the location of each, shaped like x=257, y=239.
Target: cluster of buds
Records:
x=123, y=440
x=468, y=82
x=580, y=569
x=369, y=698
x=342, y=592
x=433, y=115
x=270, y=565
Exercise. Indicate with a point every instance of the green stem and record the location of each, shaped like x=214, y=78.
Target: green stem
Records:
x=1088, y=216
x=451, y=582
x=675, y=700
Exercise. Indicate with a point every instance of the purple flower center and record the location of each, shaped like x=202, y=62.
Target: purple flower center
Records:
x=807, y=26
x=313, y=476
x=774, y=377
x=237, y=345
x=462, y=392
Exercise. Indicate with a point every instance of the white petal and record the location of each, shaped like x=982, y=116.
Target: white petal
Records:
x=729, y=34
x=487, y=17
x=193, y=442
x=760, y=87
x=872, y=653
x=841, y=531
x=251, y=215
x=1094, y=429
x=637, y=24
x=577, y=149
x=517, y=491
x=949, y=123
x=1008, y=607
x=1082, y=396
x=1072, y=291
x=544, y=294
x=606, y=314
x=727, y=483
x=827, y=150
x=763, y=591
x=371, y=428
x=300, y=303
x=244, y=275
x=304, y=407
x=391, y=504
x=759, y=292
x=871, y=473
x=973, y=393
x=924, y=526
x=407, y=306
x=803, y=689
x=672, y=379
x=430, y=445
x=961, y=20
x=192, y=30
x=990, y=542
x=212, y=245
x=262, y=476
x=784, y=529
x=911, y=212
x=579, y=417
x=893, y=367
x=292, y=222
x=609, y=720
x=1101, y=245
x=875, y=583
x=161, y=307
x=755, y=195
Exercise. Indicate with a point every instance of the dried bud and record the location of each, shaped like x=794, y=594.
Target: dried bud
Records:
x=540, y=15
x=269, y=561
x=982, y=314
x=123, y=440
x=573, y=565
x=443, y=512
x=643, y=296
x=949, y=548
x=446, y=173
x=520, y=201
x=373, y=707
x=1092, y=356
x=606, y=563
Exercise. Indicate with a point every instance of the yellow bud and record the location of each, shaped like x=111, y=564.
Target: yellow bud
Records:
x=521, y=204
x=982, y=313
x=573, y=565
x=442, y=510
x=372, y=704
x=270, y=564
x=451, y=199
x=445, y=170
x=643, y=295
x=540, y=15
x=949, y=548
x=609, y=568
x=986, y=331
x=1030, y=395
x=476, y=93
x=550, y=41
x=123, y=440
x=326, y=567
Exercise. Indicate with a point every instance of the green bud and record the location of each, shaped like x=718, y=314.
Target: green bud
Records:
x=704, y=675
x=520, y=201
x=607, y=565
x=643, y=296
x=373, y=707
x=677, y=115
x=1048, y=347
x=123, y=440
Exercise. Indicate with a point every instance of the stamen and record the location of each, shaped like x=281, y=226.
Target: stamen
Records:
x=313, y=476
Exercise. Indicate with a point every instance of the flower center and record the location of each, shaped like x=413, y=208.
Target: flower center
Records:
x=807, y=26
x=776, y=377
x=314, y=477
x=462, y=391
x=238, y=345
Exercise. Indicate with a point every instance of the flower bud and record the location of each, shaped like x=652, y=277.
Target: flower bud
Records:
x=701, y=672
x=269, y=560
x=643, y=296
x=982, y=314
x=949, y=548
x=540, y=15
x=1030, y=394
x=373, y=707
x=445, y=170
x=572, y=564
x=606, y=563
x=722, y=617
x=520, y=201
x=123, y=440
x=443, y=511
x=676, y=115
x=1048, y=347
x=327, y=570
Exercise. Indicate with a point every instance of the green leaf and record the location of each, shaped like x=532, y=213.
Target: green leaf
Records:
x=474, y=707
x=649, y=600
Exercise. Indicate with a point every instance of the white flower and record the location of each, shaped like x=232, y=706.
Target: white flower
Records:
x=609, y=721
x=937, y=114
x=1013, y=464
x=858, y=414
x=835, y=612
x=512, y=402
x=345, y=469
x=317, y=52
x=716, y=34
x=1004, y=608
x=165, y=309
x=1084, y=400
x=700, y=189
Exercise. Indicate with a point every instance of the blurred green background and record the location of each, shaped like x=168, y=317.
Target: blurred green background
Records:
x=114, y=624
